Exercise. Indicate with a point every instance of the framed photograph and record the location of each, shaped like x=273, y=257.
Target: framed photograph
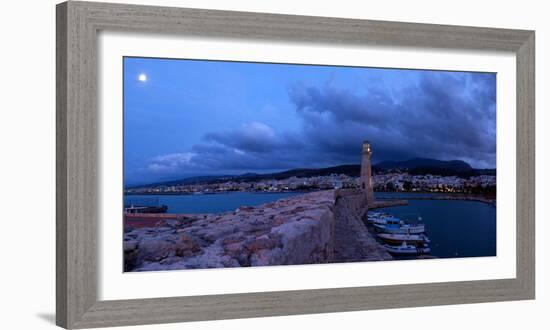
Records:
x=216, y=164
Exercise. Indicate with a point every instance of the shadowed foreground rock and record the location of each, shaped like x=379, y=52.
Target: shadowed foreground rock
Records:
x=319, y=227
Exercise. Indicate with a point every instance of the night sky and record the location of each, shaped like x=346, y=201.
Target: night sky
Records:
x=186, y=117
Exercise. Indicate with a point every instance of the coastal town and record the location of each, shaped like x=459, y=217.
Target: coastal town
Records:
x=397, y=181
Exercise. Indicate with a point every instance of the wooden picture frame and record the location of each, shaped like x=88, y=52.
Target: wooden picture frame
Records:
x=78, y=24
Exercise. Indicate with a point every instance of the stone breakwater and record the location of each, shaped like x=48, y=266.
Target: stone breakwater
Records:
x=319, y=227
x=353, y=241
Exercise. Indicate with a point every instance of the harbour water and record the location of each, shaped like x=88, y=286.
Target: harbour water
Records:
x=213, y=203
x=456, y=228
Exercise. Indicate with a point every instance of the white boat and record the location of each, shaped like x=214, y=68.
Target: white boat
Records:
x=405, y=249
x=372, y=214
x=396, y=226
x=380, y=218
x=404, y=238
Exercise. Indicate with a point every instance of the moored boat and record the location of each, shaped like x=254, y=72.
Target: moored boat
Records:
x=406, y=249
x=374, y=215
x=380, y=218
x=145, y=209
x=396, y=226
x=407, y=238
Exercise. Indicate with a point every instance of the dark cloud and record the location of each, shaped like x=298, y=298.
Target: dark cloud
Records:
x=255, y=137
x=443, y=115
x=440, y=115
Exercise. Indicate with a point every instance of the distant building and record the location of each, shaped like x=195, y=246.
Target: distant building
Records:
x=366, y=172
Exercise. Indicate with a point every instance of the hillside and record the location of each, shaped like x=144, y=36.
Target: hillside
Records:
x=427, y=163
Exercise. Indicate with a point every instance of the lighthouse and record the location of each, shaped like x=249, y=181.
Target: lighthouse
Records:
x=366, y=175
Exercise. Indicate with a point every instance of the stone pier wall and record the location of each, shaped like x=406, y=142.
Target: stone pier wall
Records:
x=298, y=230
x=353, y=241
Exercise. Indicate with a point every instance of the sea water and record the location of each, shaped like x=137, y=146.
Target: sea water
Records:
x=213, y=203
x=456, y=228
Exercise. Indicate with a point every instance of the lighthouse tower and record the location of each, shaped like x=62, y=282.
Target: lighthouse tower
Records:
x=366, y=175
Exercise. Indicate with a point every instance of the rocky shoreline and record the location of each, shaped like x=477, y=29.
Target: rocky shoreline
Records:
x=461, y=198
x=318, y=227
x=457, y=197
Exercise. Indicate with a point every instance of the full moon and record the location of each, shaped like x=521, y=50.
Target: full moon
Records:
x=142, y=77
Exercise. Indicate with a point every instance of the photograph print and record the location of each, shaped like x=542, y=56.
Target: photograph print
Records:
x=246, y=164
